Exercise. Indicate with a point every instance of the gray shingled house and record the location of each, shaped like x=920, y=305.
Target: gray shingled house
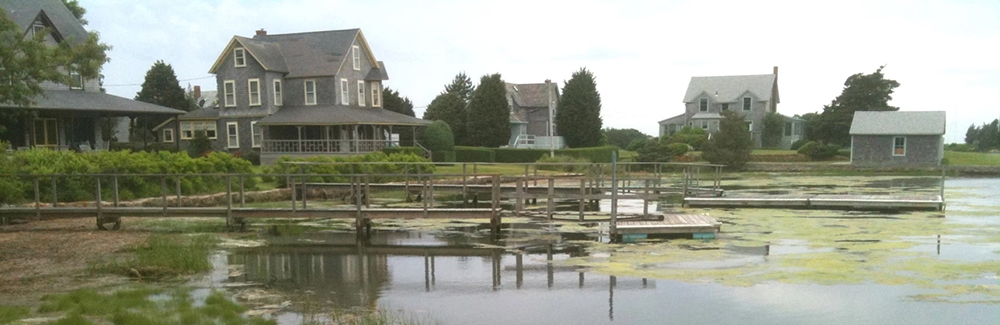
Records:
x=301, y=94
x=73, y=116
x=753, y=96
x=897, y=138
x=532, y=107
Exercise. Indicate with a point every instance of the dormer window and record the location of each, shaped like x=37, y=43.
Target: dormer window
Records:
x=746, y=103
x=310, y=91
x=357, y=57
x=703, y=105
x=239, y=54
x=75, y=80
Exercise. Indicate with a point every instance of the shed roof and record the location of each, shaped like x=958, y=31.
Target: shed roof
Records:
x=898, y=123
x=92, y=101
x=728, y=89
x=339, y=115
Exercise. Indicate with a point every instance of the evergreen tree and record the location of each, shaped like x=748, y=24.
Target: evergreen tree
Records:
x=449, y=108
x=578, y=118
x=862, y=92
x=971, y=134
x=461, y=86
x=162, y=88
x=731, y=146
x=391, y=100
x=489, y=113
x=774, y=126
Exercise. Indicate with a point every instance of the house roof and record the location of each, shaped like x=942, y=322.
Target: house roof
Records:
x=378, y=73
x=898, y=123
x=92, y=101
x=208, y=113
x=530, y=95
x=339, y=115
x=728, y=89
x=300, y=55
x=24, y=12
x=667, y=120
x=706, y=115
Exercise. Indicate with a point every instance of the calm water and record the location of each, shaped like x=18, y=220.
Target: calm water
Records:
x=462, y=275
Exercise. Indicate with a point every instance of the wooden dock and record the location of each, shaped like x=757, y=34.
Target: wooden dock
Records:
x=929, y=202
x=699, y=226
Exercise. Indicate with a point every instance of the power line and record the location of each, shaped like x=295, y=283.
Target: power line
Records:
x=181, y=80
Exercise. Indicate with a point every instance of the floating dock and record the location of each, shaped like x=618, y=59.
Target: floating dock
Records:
x=699, y=226
x=825, y=201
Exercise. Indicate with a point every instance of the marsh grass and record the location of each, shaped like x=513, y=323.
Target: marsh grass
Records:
x=180, y=225
x=144, y=306
x=9, y=314
x=958, y=158
x=163, y=256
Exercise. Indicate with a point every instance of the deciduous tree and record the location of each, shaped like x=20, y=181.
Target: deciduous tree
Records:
x=623, y=137
x=489, y=113
x=578, y=118
x=774, y=126
x=449, y=108
x=862, y=92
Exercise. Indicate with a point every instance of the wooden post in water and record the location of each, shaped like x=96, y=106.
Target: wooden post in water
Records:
x=684, y=187
x=305, y=191
x=465, y=193
x=291, y=183
x=406, y=182
x=229, y=201
x=97, y=202
x=423, y=194
x=518, y=200
x=163, y=191
x=535, y=167
x=551, y=206
x=55, y=195
x=178, y=190
x=614, y=193
x=495, y=204
x=645, y=199
x=116, y=190
x=243, y=200
x=583, y=193
x=430, y=184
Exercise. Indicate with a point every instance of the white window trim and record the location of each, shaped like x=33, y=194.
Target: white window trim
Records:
x=305, y=91
x=171, y=137
x=229, y=137
x=276, y=91
x=73, y=76
x=226, y=94
x=344, y=92
x=210, y=125
x=356, y=52
x=254, y=134
x=254, y=100
x=239, y=53
x=376, y=95
x=706, y=104
x=747, y=104
x=894, y=154
x=361, y=93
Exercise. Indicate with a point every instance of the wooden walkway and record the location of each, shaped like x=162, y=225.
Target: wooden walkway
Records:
x=670, y=224
x=825, y=201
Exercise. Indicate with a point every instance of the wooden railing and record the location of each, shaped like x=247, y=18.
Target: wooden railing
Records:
x=322, y=146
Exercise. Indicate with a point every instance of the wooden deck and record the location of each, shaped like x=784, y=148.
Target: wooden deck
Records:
x=824, y=201
x=670, y=224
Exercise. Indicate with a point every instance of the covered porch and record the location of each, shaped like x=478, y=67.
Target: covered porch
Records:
x=314, y=131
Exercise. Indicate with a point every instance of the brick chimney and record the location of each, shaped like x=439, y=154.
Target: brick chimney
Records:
x=261, y=32
x=197, y=92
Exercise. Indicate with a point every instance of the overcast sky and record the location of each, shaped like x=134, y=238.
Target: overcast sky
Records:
x=943, y=53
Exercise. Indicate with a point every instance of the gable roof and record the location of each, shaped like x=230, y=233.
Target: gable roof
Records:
x=24, y=12
x=898, y=123
x=309, y=54
x=730, y=88
x=530, y=95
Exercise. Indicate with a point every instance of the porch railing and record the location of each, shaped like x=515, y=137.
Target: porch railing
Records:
x=322, y=146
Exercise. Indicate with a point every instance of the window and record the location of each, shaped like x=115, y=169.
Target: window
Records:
x=277, y=92
x=361, y=93
x=310, y=91
x=357, y=57
x=75, y=80
x=899, y=146
x=46, y=132
x=257, y=135
x=253, y=85
x=788, y=129
x=343, y=92
x=168, y=135
x=746, y=103
x=703, y=105
x=704, y=125
x=725, y=106
x=229, y=93
x=189, y=128
x=239, y=55
x=233, y=134
x=376, y=95
x=36, y=27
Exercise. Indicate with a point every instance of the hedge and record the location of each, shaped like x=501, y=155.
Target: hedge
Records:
x=416, y=151
x=474, y=154
x=16, y=186
x=593, y=154
x=335, y=165
x=511, y=155
x=443, y=156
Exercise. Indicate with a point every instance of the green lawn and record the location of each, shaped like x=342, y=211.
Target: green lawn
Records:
x=489, y=169
x=958, y=158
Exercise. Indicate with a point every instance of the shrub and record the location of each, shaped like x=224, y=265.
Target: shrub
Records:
x=695, y=137
x=331, y=166
x=731, y=146
x=438, y=137
x=416, y=151
x=199, y=145
x=443, y=156
x=511, y=155
x=571, y=164
x=844, y=152
x=798, y=144
x=592, y=154
x=818, y=150
x=253, y=156
x=473, y=154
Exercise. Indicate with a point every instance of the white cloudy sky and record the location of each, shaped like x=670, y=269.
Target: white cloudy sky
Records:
x=943, y=53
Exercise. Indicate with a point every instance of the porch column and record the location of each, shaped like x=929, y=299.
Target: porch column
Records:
x=177, y=133
x=355, y=135
x=298, y=128
x=145, y=128
x=414, y=136
x=30, y=138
